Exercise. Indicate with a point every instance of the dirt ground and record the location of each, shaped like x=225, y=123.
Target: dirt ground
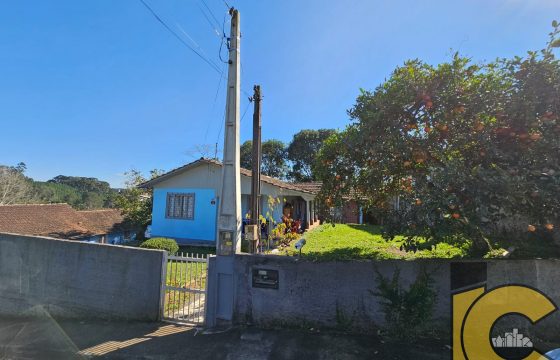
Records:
x=48, y=338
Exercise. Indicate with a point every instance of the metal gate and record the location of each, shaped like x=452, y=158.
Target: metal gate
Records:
x=184, y=288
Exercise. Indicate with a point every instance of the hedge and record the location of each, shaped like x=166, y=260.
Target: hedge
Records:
x=161, y=244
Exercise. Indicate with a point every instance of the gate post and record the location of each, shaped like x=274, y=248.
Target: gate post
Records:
x=220, y=295
x=163, y=283
x=211, y=293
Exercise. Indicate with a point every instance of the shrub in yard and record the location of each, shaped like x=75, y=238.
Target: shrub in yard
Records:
x=283, y=235
x=161, y=244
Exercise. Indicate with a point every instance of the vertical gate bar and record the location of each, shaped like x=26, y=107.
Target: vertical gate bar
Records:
x=185, y=287
x=189, y=274
x=163, y=287
x=174, y=282
x=197, y=297
x=205, y=290
x=201, y=298
x=180, y=285
x=186, y=293
x=181, y=312
x=177, y=274
x=171, y=293
x=188, y=287
x=200, y=295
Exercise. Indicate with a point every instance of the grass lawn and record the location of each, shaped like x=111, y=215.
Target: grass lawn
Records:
x=350, y=242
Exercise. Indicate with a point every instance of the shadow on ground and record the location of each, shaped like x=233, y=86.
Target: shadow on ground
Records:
x=47, y=338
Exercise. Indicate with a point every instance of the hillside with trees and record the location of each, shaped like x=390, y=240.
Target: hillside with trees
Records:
x=80, y=192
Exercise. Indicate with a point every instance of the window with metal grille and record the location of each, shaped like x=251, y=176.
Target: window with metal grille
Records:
x=180, y=206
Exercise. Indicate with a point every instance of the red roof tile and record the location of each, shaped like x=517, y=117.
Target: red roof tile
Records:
x=313, y=186
x=104, y=221
x=57, y=220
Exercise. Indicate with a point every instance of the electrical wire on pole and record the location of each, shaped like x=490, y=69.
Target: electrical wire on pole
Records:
x=164, y=24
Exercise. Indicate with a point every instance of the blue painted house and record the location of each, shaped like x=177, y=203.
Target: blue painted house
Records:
x=185, y=201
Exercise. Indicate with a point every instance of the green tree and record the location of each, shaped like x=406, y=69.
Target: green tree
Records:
x=273, y=161
x=246, y=155
x=134, y=202
x=302, y=152
x=464, y=146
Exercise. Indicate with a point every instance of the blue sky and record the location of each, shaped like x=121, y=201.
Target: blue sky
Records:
x=96, y=87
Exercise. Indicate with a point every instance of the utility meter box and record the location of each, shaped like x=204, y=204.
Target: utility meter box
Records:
x=252, y=232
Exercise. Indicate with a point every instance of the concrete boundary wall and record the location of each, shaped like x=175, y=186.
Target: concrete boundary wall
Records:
x=76, y=279
x=339, y=294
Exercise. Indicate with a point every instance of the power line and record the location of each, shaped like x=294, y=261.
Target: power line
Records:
x=243, y=91
x=209, y=21
x=195, y=43
x=224, y=38
x=246, y=108
x=214, y=104
x=211, y=13
x=221, y=126
x=212, y=65
x=227, y=5
x=224, y=120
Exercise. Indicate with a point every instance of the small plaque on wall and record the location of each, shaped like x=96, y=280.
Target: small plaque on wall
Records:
x=265, y=278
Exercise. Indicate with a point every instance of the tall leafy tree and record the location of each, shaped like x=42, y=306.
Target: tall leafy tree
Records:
x=302, y=152
x=465, y=147
x=273, y=161
x=246, y=155
x=136, y=203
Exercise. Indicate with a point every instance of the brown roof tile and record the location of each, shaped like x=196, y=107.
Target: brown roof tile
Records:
x=313, y=186
x=56, y=220
x=104, y=221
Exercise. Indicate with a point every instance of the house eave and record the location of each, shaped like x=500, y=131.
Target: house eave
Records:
x=244, y=172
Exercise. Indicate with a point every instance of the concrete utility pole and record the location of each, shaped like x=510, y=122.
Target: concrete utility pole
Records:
x=229, y=220
x=221, y=268
x=254, y=232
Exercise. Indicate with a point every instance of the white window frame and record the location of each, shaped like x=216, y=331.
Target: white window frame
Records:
x=176, y=208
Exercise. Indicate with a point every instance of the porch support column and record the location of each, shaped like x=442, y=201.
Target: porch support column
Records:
x=361, y=221
x=307, y=215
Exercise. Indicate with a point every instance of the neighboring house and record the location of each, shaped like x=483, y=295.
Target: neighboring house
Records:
x=185, y=201
x=61, y=221
x=349, y=213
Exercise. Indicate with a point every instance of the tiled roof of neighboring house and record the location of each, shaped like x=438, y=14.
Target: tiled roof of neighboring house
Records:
x=313, y=186
x=104, y=221
x=245, y=172
x=57, y=220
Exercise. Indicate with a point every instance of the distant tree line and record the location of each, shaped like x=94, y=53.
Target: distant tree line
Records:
x=80, y=192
